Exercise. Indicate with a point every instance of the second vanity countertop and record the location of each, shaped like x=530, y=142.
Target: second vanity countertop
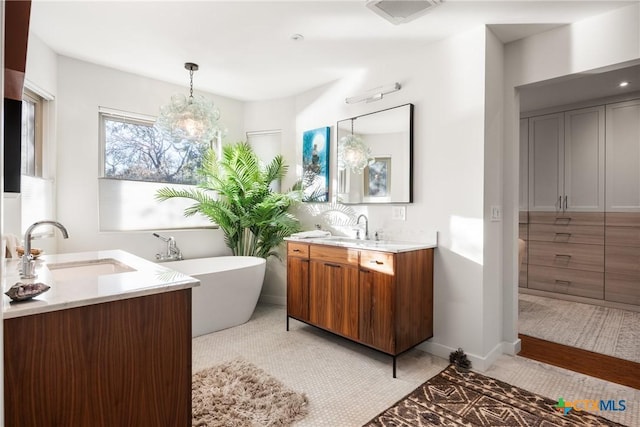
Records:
x=147, y=278
x=373, y=245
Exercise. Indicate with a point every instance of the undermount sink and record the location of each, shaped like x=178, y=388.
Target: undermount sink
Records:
x=86, y=269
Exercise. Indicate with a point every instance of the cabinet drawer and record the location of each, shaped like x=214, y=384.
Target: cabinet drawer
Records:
x=587, y=234
x=623, y=219
x=334, y=254
x=299, y=250
x=622, y=288
x=622, y=259
x=378, y=261
x=588, y=284
x=623, y=236
x=523, y=231
x=567, y=218
x=567, y=255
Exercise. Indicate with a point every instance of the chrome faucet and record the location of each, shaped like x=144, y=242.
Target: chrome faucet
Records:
x=28, y=263
x=173, y=253
x=366, y=225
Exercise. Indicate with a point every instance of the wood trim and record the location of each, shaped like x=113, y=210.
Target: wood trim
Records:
x=16, y=36
x=597, y=365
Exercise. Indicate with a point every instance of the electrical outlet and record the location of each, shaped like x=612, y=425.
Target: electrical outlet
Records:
x=496, y=213
x=399, y=213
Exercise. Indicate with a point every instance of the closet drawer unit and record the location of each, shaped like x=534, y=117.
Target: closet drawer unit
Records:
x=623, y=219
x=622, y=288
x=567, y=218
x=623, y=236
x=585, y=234
x=622, y=259
x=523, y=231
x=298, y=250
x=522, y=277
x=567, y=255
x=523, y=217
x=588, y=284
x=334, y=254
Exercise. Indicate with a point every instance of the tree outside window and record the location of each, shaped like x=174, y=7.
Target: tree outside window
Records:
x=136, y=150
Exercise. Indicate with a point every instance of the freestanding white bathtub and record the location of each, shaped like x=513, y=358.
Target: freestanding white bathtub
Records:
x=228, y=292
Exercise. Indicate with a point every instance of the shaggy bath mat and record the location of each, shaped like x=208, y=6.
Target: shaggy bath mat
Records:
x=238, y=393
x=464, y=398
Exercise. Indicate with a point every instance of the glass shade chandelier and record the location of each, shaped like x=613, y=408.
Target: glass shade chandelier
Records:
x=193, y=118
x=353, y=153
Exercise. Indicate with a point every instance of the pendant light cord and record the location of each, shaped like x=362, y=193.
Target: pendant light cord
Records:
x=191, y=83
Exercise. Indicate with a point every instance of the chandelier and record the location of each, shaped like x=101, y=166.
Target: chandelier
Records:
x=353, y=153
x=194, y=118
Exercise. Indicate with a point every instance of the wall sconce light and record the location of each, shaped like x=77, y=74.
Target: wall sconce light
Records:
x=194, y=118
x=374, y=94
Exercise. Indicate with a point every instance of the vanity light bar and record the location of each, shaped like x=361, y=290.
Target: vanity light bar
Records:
x=374, y=94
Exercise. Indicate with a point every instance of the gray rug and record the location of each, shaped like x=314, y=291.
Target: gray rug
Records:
x=238, y=393
x=604, y=330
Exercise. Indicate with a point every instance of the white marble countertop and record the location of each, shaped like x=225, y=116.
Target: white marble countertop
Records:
x=373, y=245
x=147, y=278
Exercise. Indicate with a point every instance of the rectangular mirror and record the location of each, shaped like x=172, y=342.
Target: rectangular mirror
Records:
x=375, y=157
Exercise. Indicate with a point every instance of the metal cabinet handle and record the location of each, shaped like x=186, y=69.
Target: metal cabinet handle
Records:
x=559, y=204
x=563, y=256
x=332, y=265
x=565, y=203
x=563, y=282
x=297, y=250
x=374, y=261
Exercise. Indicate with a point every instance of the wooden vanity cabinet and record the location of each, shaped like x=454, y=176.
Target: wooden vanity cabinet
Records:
x=380, y=299
x=333, y=289
x=298, y=281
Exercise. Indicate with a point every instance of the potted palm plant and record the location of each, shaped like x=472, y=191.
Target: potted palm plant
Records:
x=235, y=194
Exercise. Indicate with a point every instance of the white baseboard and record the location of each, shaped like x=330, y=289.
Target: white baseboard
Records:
x=512, y=348
x=273, y=299
x=480, y=363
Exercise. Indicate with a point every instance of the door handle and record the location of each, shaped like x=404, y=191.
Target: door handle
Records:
x=559, y=204
x=566, y=206
x=375, y=261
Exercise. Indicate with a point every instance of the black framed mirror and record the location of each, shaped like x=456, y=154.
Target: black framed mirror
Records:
x=375, y=157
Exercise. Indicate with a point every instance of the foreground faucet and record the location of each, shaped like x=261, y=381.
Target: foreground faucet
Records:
x=366, y=225
x=28, y=263
x=173, y=253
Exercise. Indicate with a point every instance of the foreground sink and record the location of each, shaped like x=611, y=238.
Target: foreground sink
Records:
x=86, y=269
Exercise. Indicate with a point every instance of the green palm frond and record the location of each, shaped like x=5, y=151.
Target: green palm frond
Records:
x=234, y=194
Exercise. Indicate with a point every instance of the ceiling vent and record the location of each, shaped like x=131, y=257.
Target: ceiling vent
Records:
x=401, y=11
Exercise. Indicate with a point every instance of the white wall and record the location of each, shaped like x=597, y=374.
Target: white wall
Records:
x=277, y=114
x=445, y=82
x=602, y=41
x=493, y=146
x=82, y=88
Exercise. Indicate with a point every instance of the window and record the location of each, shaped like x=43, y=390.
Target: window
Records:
x=31, y=139
x=137, y=160
x=134, y=149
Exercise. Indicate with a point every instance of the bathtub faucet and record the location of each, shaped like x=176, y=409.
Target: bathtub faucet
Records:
x=173, y=252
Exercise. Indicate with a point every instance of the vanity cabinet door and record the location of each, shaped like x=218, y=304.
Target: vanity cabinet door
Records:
x=333, y=297
x=298, y=288
x=377, y=303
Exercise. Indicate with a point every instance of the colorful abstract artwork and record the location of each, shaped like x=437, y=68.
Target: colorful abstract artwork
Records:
x=315, y=162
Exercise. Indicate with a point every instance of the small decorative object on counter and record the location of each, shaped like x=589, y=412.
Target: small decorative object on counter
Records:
x=24, y=291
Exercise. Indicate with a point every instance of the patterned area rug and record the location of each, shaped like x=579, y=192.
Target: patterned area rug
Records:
x=465, y=398
x=238, y=393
